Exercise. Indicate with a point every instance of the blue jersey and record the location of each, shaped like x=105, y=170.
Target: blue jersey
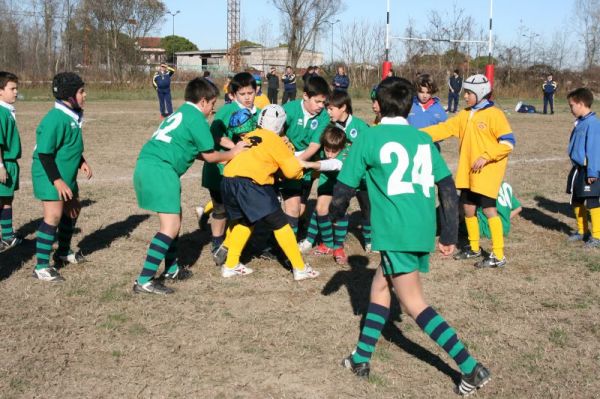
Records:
x=584, y=144
x=420, y=117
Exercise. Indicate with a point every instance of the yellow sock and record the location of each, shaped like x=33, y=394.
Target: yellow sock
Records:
x=582, y=220
x=237, y=241
x=227, y=235
x=473, y=232
x=208, y=207
x=595, y=215
x=287, y=241
x=497, y=236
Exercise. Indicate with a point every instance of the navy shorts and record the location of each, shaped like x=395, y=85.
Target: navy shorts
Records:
x=245, y=199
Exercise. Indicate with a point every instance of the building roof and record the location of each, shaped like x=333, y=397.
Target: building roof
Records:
x=148, y=42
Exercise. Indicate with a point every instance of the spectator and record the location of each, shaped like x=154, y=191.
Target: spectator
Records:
x=289, y=85
x=454, y=87
x=549, y=88
x=272, y=85
x=310, y=71
x=341, y=81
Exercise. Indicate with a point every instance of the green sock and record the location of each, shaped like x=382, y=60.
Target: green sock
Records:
x=313, y=228
x=43, y=245
x=156, y=253
x=171, y=265
x=326, y=230
x=374, y=322
x=6, y=224
x=340, y=230
x=366, y=230
x=438, y=330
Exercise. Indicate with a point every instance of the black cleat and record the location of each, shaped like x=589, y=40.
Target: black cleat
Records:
x=470, y=383
x=151, y=287
x=72, y=258
x=491, y=262
x=467, y=253
x=182, y=273
x=361, y=370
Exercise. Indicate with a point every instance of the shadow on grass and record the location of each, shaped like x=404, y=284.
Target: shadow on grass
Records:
x=357, y=281
x=539, y=218
x=564, y=208
x=191, y=246
x=102, y=238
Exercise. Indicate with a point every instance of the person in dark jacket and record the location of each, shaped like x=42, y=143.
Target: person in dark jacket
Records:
x=272, y=85
x=289, y=85
x=549, y=88
x=341, y=81
x=162, y=84
x=454, y=87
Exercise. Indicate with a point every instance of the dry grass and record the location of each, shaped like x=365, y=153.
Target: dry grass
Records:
x=536, y=324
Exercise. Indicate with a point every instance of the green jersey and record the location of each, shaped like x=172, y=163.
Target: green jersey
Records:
x=328, y=179
x=401, y=165
x=10, y=142
x=212, y=173
x=505, y=204
x=302, y=128
x=179, y=139
x=354, y=127
x=59, y=134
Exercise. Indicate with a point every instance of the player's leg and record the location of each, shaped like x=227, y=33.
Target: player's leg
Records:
x=291, y=206
x=311, y=234
x=496, y=258
x=218, y=224
x=410, y=293
x=241, y=231
x=593, y=205
x=45, y=236
x=340, y=231
x=468, y=201
x=581, y=218
x=325, y=226
x=64, y=234
x=365, y=208
x=6, y=224
x=374, y=321
x=174, y=271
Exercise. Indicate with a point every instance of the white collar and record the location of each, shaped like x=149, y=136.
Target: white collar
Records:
x=396, y=120
x=68, y=111
x=9, y=107
x=194, y=105
x=253, y=109
x=307, y=115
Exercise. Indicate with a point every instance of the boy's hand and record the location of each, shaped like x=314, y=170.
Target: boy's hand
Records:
x=86, y=170
x=479, y=164
x=3, y=175
x=64, y=192
x=446, y=250
x=239, y=147
x=591, y=180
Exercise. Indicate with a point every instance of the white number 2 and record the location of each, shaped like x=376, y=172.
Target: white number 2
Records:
x=421, y=172
x=170, y=124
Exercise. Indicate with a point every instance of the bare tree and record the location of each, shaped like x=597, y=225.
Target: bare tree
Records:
x=361, y=49
x=303, y=19
x=588, y=14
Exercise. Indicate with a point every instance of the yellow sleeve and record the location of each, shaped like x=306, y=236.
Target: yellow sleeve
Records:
x=443, y=130
x=500, y=129
x=284, y=157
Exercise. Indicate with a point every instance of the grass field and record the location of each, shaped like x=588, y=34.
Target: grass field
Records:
x=535, y=324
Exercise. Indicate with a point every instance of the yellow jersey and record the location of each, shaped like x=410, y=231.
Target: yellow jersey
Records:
x=482, y=133
x=268, y=153
x=261, y=101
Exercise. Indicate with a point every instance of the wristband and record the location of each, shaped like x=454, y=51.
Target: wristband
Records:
x=1, y=165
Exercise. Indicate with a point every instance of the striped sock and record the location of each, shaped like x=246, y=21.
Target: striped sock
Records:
x=64, y=235
x=371, y=331
x=366, y=230
x=156, y=253
x=313, y=229
x=294, y=223
x=171, y=264
x=6, y=224
x=438, y=330
x=326, y=230
x=43, y=245
x=340, y=230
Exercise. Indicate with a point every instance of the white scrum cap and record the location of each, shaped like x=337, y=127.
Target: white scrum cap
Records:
x=478, y=84
x=272, y=117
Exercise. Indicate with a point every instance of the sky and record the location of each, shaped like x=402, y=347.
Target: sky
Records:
x=204, y=22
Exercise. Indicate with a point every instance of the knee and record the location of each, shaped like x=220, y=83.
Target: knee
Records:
x=218, y=212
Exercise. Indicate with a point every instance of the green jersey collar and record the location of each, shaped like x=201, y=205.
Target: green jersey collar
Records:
x=396, y=120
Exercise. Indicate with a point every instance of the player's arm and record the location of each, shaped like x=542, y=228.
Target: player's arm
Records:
x=213, y=156
x=3, y=173
x=443, y=130
x=324, y=165
x=448, y=215
x=505, y=141
x=282, y=154
x=311, y=150
x=85, y=168
x=154, y=84
x=592, y=152
x=226, y=142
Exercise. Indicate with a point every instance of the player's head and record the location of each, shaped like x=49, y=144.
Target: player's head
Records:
x=580, y=101
x=395, y=96
x=339, y=106
x=272, y=117
x=203, y=93
x=68, y=87
x=243, y=89
x=425, y=88
x=477, y=88
x=8, y=87
x=456, y=72
x=241, y=122
x=316, y=92
x=333, y=140
x=341, y=70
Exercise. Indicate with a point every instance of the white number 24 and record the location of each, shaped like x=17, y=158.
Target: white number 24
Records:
x=170, y=124
x=421, y=172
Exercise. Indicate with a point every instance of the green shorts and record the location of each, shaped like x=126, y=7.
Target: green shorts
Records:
x=157, y=187
x=43, y=189
x=396, y=262
x=12, y=179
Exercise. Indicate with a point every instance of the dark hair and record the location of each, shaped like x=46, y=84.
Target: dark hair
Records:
x=456, y=71
x=333, y=138
x=6, y=77
x=582, y=95
x=395, y=96
x=240, y=80
x=339, y=98
x=200, y=88
x=425, y=80
x=206, y=74
x=316, y=85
